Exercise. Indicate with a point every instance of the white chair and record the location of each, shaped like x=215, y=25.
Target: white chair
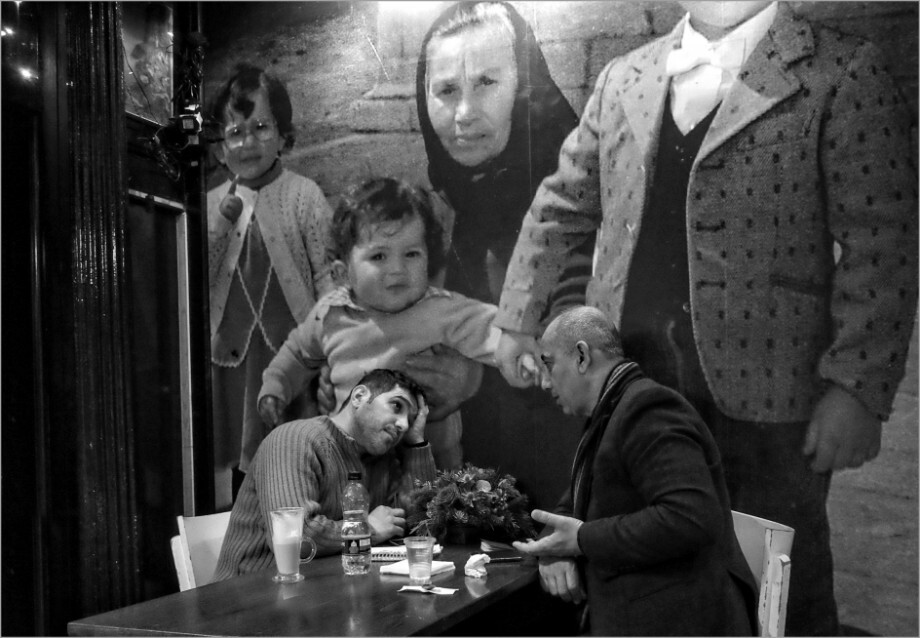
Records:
x=196, y=549
x=767, y=547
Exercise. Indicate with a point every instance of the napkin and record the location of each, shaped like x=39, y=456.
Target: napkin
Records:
x=401, y=568
x=476, y=565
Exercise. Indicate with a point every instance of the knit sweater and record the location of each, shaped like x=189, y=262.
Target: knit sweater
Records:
x=355, y=340
x=306, y=463
x=295, y=220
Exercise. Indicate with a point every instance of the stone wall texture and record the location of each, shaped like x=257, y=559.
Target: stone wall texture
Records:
x=350, y=68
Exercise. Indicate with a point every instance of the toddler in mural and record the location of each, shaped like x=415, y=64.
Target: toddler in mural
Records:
x=388, y=243
x=268, y=232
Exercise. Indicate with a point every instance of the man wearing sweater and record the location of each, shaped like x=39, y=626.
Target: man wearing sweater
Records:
x=380, y=431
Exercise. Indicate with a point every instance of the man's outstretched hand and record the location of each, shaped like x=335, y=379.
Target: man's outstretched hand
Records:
x=563, y=541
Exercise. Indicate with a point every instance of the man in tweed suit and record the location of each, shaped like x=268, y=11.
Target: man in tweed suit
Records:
x=751, y=180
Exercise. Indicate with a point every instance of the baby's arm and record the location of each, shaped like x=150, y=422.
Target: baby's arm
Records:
x=467, y=327
x=470, y=330
x=291, y=370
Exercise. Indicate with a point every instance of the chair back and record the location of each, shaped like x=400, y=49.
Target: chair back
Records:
x=198, y=548
x=767, y=546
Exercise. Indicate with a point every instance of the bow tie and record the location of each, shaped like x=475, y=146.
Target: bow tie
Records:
x=727, y=54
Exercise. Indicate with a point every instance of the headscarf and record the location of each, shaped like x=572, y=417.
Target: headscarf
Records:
x=490, y=200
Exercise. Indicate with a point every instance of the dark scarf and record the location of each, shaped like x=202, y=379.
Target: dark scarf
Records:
x=619, y=379
x=490, y=199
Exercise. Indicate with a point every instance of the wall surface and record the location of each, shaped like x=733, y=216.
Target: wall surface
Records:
x=350, y=67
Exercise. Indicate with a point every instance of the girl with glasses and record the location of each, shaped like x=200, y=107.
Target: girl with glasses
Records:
x=268, y=229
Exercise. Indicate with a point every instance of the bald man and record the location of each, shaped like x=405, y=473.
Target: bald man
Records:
x=645, y=532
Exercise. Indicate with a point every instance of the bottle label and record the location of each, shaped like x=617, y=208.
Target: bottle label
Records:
x=356, y=545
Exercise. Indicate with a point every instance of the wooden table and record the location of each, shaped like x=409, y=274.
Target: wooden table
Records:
x=325, y=603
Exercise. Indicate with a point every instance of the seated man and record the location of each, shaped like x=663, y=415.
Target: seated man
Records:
x=645, y=532
x=379, y=431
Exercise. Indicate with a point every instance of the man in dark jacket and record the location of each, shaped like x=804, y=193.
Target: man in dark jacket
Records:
x=645, y=533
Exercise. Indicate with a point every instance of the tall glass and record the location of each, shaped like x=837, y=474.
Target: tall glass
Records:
x=287, y=534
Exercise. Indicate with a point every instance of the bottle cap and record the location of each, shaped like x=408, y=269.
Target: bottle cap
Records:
x=354, y=476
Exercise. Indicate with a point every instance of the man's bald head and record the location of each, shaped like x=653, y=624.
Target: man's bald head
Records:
x=587, y=324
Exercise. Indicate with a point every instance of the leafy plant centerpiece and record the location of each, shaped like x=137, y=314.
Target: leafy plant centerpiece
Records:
x=471, y=497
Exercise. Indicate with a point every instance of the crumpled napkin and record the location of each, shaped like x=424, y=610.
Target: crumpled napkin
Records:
x=440, y=591
x=476, y=565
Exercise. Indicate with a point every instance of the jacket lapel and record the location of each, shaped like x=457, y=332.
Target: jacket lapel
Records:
x=645, y=89
x=764, y=81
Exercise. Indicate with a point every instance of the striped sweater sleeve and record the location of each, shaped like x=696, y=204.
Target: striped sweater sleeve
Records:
x=573, y=283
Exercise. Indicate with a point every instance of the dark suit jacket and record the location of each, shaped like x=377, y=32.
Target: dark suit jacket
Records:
x=661, y=557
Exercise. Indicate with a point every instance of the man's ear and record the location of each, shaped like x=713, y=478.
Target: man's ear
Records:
x=339, y=272
x=359, y=395
x=582, y=356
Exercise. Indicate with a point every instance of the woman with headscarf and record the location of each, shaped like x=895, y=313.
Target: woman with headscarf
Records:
x=510, y=144
x=493, y=121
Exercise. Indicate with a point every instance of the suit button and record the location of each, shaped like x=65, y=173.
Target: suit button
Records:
x=686, y=307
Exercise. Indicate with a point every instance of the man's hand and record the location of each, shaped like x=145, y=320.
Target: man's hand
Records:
x=563, y=541
x=271, y=409
x=559, y=577
x=512, y=361
x=447, y=377
x=386, y=522
x=325, y=391
x=842, y=433
x=416, y=432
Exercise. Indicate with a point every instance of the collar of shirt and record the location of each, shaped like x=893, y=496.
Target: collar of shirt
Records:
x=705, y=71
x=746, y=35
x=342, y=296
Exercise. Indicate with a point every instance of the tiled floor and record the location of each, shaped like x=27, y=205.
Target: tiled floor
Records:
x=874, y=516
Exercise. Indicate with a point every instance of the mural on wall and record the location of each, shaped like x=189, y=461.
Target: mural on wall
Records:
x=148, y=54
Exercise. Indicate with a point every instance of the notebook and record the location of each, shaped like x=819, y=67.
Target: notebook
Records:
x=402, y=567
x=394, y=552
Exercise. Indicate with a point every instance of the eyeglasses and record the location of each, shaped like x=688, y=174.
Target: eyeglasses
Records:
x=235, y=135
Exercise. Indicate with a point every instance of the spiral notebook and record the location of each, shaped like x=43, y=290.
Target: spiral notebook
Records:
x=390, y=553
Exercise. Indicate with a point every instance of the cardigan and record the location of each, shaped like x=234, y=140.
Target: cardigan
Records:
x=295, y=220
x=306, y=463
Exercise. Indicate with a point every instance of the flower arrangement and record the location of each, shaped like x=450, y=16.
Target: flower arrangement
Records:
x=473, y=497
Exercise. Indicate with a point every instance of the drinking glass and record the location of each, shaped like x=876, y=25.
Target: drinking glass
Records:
x=419, y=551
x=287, y=535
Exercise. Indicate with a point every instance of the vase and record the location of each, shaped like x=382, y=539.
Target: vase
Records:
x=462, y=535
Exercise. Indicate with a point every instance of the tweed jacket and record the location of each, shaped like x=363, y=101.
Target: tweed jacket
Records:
x=295, y=220
x=660, y=552
x=801, y=219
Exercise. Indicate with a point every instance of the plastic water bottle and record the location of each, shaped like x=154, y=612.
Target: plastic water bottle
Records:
x=356, y=532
